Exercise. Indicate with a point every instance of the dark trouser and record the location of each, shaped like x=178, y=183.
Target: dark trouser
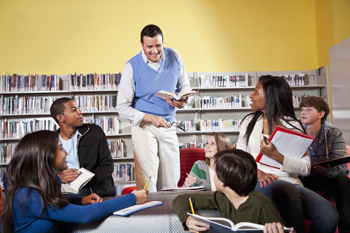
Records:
x=286, y=196
x=296, y=202
x=337, y=187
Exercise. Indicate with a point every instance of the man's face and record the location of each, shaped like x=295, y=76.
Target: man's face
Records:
x=72, y=114
x=153, y=47
x=310, y=115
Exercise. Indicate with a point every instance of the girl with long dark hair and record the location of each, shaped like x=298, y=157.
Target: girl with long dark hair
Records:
x=34, y=202
x=272, y=104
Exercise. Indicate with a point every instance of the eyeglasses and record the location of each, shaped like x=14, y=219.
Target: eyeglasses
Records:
x=178, y=125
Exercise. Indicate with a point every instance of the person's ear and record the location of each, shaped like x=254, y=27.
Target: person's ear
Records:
x=60, y=118
x=223, y=185
x=321, y=114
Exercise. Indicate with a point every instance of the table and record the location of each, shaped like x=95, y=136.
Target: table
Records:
x=159, y=219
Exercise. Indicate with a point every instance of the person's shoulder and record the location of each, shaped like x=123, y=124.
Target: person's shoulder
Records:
x=259, y=197
x=328, y=126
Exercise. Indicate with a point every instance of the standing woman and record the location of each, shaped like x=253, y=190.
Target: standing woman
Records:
x=272, y=104
x=34, y=202
x=202, y=172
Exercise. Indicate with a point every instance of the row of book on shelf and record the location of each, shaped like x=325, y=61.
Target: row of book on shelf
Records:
x=26, y=104
x=2, y=176
x=209, y=125
x=95, y=103
x=123, y=172
x=19, y=128
x=95, y=81
x=223, y=81
x=30, y=82
x=196, y=144
x=221, y=102
x=110, y=125
x=116, y=148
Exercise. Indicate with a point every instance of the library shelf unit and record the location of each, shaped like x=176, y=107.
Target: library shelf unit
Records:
x=64, y=91
x=315, y=83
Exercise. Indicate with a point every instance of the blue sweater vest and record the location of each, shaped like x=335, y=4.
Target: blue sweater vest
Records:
x=149, y=81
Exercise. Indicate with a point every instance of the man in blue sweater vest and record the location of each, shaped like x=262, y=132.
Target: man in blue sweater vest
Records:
x=155, y=143
x=329, y=143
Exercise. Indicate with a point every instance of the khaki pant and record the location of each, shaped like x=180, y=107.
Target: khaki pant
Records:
x=155, y=149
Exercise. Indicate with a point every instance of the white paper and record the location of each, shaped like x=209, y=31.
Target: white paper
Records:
x=289, y=145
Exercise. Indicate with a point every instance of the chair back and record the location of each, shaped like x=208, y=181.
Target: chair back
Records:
x=188, y=157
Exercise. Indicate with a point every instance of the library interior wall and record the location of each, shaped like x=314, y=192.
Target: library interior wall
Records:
x=61, y=37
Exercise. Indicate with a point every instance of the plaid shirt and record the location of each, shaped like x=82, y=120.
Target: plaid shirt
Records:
x=332, y=141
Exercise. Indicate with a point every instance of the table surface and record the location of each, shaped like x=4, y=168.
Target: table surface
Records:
x=160, y=219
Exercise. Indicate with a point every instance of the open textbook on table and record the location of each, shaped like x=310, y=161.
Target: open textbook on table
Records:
x=224, y=225
x=173, y=96
x=289, y=143
x=75, y=185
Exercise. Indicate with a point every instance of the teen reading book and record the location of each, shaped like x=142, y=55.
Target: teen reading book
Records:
x=173, y=96
x=224, y=225
x=235, y=179
x=34, y=199
x=328, y=146
x=75, y=185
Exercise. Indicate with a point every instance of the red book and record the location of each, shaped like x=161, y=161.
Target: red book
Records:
x=289, y=143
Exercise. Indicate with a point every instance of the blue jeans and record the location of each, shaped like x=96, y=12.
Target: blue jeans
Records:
x=297, y=203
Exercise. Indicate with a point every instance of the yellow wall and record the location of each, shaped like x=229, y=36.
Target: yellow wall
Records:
x=341, y=20
x=65, y=36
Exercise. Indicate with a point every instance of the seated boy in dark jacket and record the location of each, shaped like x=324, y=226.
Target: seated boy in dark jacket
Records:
x=235, y=180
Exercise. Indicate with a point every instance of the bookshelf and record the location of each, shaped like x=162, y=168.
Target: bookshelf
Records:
x=105, y=86
x=311, y=82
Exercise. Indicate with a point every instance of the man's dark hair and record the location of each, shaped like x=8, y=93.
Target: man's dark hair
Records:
x=319, y=103
x=237, y=169
x=151, y=30
x=57, y=107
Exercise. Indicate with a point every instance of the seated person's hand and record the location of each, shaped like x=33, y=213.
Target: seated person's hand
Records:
x=320, y=170
x=266, y=178
x=179, y=104
x=189, y=181
x=196, y=226
x=268, y=148
x=276, y=228
x=69, y=175
x=91, y=199
x=141, y=196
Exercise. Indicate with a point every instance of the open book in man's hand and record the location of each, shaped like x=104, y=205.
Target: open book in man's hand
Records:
x=75, y=185
x=224, y=225
x=173, y=96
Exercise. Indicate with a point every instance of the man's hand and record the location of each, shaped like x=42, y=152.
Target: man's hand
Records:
x=91, y=199
x=196, y=226
x=69, y=175
x=320, y=170
x=155, y=120
x=179, y=104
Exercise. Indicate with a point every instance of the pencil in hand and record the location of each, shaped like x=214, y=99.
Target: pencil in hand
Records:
x=191, y=207
x=147, y=183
